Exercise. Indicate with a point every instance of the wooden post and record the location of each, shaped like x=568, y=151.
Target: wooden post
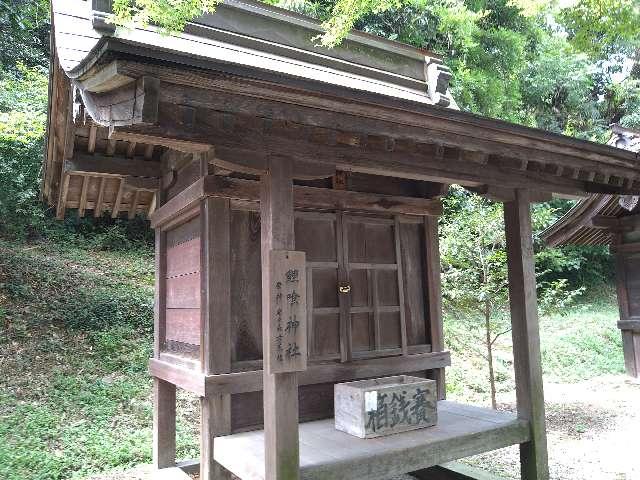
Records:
x=280, y=394
x=164, y=393
x=629, y=329
x=215, y=410
x=164, y=424
x=526, y=335
x=434, y=294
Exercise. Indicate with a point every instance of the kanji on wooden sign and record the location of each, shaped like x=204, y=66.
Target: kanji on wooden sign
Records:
x=287, y=328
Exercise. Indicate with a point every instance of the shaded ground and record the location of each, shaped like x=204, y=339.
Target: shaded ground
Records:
x=593, y=429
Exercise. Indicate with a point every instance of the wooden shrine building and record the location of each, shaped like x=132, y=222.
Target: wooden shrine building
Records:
x=271, y=168
x=614, y=220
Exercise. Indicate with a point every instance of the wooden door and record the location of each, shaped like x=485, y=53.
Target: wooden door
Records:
x=318, y=234
x=366, y=285
x=371, y=253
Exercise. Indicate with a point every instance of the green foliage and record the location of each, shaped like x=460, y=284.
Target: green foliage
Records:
x=558, y=88
x=603, y=28
x=344, y=15
x=74, y=297
x=583, y=343
x=77, y=323
x=24, y=33
x=578, y=344
x=473, y=255
x=172, y=15
x=23, y=100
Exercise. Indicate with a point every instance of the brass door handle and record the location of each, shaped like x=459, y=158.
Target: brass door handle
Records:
x=344, y=288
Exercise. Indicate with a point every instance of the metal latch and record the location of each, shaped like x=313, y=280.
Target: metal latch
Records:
x=346, y=288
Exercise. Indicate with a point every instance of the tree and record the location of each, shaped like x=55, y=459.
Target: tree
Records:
x=603, y=28
x=474, y=276
x=24, y=33
x=474, y=279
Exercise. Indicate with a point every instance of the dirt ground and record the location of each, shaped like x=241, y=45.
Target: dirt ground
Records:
x=593, y=434
x=593, y=430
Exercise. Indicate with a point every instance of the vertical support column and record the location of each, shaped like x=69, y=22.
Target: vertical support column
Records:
x=434, y=293
x=526, y=335
x=629, y=329
x=280, y=394
x=164, y=393
x=215, y=410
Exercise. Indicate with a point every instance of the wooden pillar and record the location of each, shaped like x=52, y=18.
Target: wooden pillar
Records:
x=164, y=393
x=434, y=292
x=164, y=424
x=280, y=394
x=629, y=326
x=215, y=410
x=526, y=335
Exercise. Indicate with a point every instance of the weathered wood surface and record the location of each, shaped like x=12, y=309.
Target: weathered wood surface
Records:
x=164, y=424
x=434, y=296
x=526, y=335
x=251, y=381
x=183, y=280
x=216, y=326
x=408, y=158
x=633, y=325
x=280, y=390
x=631, y=349
x=328, y=454
x=449, y=127
x=286, y=347
x=303, y=197
x=385, y=406
x=105, y=165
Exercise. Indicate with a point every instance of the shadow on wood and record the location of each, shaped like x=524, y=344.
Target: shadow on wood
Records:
x=453, y=471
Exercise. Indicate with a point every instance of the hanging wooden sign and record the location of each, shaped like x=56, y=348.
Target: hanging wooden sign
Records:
x=287, y=326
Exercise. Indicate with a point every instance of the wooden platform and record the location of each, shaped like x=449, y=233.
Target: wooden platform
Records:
x=328, y=454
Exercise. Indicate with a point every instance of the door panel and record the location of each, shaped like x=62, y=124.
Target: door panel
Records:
x=372, y=246
x=317, y=235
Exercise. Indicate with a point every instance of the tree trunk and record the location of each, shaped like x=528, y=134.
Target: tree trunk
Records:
x=492, y=379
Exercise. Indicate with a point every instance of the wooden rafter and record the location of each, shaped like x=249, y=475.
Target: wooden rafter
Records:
x=83, y=195
x=134, y=204
x=97, y=211
x=93, y=132
x=103, y=165
x=116, y=204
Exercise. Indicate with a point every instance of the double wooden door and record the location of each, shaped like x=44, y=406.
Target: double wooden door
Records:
x=357, y=267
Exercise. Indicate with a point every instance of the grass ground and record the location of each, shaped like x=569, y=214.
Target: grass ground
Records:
x=76, y=335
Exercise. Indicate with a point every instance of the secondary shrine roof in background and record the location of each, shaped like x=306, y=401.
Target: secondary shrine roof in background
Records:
x=583, y=224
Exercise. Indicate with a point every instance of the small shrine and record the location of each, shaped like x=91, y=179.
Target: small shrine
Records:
x=295, y=193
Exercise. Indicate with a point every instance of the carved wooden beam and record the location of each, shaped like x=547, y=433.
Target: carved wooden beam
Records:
x=112, y=98
x=307, y=197
x=83, y=164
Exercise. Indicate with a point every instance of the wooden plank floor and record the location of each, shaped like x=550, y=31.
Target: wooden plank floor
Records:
x=328, y=454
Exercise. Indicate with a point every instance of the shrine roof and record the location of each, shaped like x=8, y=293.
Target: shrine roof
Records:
x=591, y=220
x=250, y=81
x=259, y=36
